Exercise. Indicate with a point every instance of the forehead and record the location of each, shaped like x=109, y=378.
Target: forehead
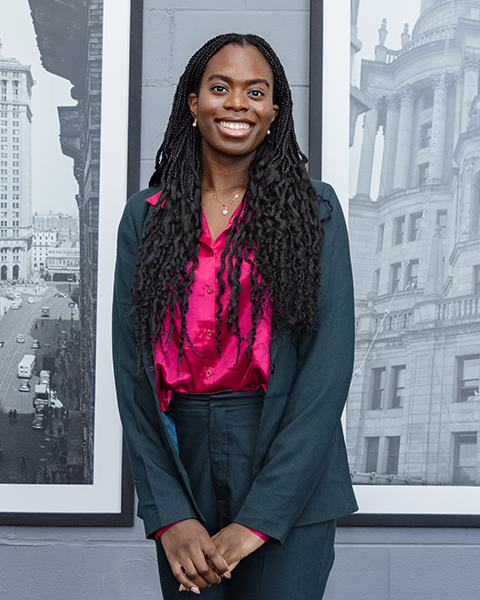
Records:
x=239, y=62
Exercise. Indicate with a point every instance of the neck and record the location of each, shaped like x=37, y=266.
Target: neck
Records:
x=225, y=176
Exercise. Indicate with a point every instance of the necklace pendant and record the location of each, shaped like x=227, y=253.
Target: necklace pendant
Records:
x=225, y=211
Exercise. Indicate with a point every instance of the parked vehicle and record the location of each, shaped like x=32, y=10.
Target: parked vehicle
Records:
x=38, y=421
x=26, y=366
x=45, y=311
x=45, y=377
x=35, y=344
x=24, y=386
x=2, y=343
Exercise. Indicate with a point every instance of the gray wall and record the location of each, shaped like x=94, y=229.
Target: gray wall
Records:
x=103, y=564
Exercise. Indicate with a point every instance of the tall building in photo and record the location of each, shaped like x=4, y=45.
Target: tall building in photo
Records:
x=69, y=37
x=413, y=413
x=16, y=84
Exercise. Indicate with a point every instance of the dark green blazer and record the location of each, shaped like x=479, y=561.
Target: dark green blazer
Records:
x=301, y=470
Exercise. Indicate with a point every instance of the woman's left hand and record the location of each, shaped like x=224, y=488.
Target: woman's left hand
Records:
x=235, y=542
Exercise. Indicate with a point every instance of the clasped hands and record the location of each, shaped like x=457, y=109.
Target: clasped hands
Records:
x=198, y=560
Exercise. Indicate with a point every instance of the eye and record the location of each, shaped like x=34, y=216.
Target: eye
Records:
x=219, y=88
x=257, y=93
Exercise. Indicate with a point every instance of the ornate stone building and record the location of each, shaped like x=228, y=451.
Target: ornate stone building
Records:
x=16, y=84
x=69, y=37
x=413, y=414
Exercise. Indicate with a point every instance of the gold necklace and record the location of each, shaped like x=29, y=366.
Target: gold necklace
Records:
x=225, y=207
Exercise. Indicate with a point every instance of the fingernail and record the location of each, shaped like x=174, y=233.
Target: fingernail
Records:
x=227, y=575
x=194, y=589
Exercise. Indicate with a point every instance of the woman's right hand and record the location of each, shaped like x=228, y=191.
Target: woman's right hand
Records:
x=190, y=551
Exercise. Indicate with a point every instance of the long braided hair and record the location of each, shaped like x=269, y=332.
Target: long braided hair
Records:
x=278, y=231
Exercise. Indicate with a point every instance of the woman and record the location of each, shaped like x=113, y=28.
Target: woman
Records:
x=233, y=339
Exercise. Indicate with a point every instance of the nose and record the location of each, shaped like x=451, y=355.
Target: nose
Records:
x=236, y=100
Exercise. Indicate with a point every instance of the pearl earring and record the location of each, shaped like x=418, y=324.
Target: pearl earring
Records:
x=194, y=124
x=269, y=132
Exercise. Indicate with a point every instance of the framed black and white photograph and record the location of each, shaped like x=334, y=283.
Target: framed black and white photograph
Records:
x=64, y=106
x=413, y=414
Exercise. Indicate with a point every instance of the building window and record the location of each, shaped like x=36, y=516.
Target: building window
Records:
x=476, y=279
x=380, y=233
x=3, y=91
x=371, y=449
x=412, y=275
x=422, y=174
x=428, y=99
x=398, y=386
x=378, y=388
x=393, y=454
x=465, y=458
x=395, y=276
x=425, y=135
x=442, y=218
x=468, y=378
x=398, y=230
x=414, y=228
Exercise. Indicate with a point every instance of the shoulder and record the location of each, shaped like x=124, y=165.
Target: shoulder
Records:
x=327, y=196
x=137, y=211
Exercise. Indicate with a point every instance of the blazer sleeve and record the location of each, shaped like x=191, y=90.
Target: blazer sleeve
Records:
x=162, y=496
x=310, y=426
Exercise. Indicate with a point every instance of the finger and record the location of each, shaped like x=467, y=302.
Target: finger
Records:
x=215, y=559
x=204, y=570
x=189, y=577
x=230, y=568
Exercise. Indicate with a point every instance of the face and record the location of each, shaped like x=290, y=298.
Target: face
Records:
x=234, y=106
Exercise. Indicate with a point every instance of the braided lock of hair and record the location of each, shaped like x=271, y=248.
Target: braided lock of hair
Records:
x=278, y=233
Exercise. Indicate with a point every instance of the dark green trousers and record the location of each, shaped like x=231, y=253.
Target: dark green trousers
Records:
x=216, y=437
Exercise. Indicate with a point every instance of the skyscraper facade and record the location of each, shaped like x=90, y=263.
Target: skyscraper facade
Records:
x=16, y=84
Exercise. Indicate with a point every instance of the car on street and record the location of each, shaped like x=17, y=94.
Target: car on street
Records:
x=38, y=421
x=31, y=300
x=20, y=338
x=59, y=295
x=15, y=305
x=35, y=344
x=24, y=386
x=2, y=343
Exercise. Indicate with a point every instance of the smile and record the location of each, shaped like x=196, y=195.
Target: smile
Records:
x=235, y=125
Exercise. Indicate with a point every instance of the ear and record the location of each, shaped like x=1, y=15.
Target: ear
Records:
x=192, y=103
x=276, y=110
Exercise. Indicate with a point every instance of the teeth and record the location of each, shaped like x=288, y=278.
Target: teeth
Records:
x=235, y=126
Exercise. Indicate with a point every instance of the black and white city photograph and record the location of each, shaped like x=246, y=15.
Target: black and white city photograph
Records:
x=413, y=413
x=50, y=87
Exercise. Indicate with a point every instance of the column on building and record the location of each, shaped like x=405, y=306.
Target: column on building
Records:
x=434, y=283
x=439, y=127
x=390, y=145
x=470, y=89
x=404, y=139
x=370, y=127
x=458, y=83
x=468, y=174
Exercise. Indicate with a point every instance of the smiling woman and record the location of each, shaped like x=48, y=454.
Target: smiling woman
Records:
x=233, y=368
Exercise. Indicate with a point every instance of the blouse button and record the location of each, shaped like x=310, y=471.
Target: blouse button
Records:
x=208, y=373
x=209, y=289
x=209, y=332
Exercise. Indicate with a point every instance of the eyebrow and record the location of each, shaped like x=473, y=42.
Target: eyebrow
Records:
x=230, y=79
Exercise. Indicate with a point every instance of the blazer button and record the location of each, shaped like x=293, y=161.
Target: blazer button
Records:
x=272, y=370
